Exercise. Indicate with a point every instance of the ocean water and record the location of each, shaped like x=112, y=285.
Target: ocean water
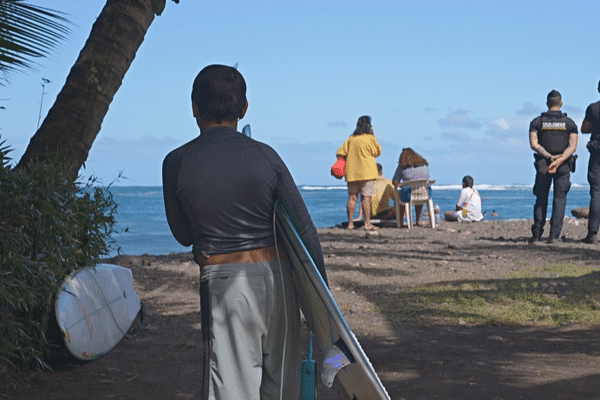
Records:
x=142, y=226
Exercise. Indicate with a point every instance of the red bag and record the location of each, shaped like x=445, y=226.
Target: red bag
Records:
x=339, y=168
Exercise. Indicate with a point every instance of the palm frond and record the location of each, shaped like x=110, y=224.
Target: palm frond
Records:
x=28, y=32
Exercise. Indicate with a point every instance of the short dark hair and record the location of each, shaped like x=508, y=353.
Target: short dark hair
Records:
x=363, y=126
x=219, y=92
x=468, y=181
x=599, y=86
x=554, y=98
x=379, y=168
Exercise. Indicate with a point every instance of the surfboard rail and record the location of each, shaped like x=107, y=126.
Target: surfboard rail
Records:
x=344, y=356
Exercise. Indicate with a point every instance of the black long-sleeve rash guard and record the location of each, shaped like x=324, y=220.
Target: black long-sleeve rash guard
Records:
x=220, y=191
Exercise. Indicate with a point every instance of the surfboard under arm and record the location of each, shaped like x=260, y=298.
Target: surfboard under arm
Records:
x=344, y=356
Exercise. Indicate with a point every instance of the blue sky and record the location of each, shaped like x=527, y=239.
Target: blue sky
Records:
x=458, y=81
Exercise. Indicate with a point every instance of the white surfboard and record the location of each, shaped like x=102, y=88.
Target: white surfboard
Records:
x=95, y=308
x=344, y=357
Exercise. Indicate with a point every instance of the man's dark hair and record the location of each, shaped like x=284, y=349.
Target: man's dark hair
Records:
x=468, y=181
x=379, y=168
x=554, y=98
x=219, y=92
x=599, y=86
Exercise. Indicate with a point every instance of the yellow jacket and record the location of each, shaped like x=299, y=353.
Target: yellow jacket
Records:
x=360, y=152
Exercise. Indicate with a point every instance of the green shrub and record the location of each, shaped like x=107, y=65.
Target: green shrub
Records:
x=49, y=226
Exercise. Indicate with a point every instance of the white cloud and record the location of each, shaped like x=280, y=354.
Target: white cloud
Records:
x=448, y=159
x=502, y=123
x=504, y=127
x=337, y=124
x=516, y=141
x=459, y=118
x=140, y=160
x=459, y=136
x=529, y=108
x=573, y=109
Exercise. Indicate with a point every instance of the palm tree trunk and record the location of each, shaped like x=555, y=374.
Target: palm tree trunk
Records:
x=73, y=122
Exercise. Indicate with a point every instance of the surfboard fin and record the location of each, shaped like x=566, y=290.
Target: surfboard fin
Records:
x=337, y=357
x=309, y=374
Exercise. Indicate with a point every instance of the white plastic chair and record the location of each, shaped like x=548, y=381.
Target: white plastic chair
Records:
x=419, y=194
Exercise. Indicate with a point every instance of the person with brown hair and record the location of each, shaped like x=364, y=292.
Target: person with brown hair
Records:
x=411, y=166
x=360, y=150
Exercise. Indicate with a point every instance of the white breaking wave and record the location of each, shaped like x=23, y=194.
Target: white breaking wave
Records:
x=457, y=187
x=137, y=194
x=434, y=187
x=485, y=186
x=306, y=187
x=580, y=186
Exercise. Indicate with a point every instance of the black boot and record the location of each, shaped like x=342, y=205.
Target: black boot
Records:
x=591, y=238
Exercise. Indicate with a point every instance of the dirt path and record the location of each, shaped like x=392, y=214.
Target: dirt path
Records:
x=422, y=357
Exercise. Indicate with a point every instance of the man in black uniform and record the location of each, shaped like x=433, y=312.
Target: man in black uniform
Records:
x=591, y=124
x=553, y=136
x=220, y=192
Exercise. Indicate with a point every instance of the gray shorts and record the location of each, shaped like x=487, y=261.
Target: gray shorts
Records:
x=246, y=350
x=365, y=188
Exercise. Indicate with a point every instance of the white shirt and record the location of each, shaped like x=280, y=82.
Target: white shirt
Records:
x=471, y=200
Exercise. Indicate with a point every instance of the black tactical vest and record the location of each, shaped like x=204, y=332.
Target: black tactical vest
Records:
x=553, y=134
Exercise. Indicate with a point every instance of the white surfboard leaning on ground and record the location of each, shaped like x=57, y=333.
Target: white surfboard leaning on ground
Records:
x=95, y=308
x=344, y=356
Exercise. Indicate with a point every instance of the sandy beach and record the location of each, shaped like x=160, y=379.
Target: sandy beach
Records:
x=421, y=357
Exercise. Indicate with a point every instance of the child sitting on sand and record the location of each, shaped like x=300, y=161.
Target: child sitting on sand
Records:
x=468, y=207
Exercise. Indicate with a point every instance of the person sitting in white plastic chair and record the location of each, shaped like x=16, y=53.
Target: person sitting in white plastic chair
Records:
x=411, y=166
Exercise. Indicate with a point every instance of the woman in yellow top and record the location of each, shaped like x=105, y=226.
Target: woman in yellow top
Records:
x=360, y=150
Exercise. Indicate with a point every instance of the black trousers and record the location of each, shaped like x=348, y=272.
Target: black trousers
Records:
x=541, y=189
x=594, y=181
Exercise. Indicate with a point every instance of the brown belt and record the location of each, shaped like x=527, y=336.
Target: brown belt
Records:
x=244, y=256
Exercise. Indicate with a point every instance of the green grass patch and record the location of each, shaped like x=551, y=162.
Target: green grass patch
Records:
x=550, y=295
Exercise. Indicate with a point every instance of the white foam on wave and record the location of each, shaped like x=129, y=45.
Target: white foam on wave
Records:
x=485, y=186
x=138, y=194
x=307, y=187
x=580, y=186
x=514, y=187
x=458, y=187
x=503, y=187
x=446, y=187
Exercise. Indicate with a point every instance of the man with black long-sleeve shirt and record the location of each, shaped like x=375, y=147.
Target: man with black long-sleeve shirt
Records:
x=220, y=192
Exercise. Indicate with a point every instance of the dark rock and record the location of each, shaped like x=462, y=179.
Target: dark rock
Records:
x=581, y=212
